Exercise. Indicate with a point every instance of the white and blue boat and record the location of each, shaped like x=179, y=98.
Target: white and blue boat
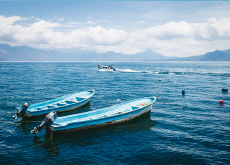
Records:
x=102, y=117
x=64, y=103
x=106, y=68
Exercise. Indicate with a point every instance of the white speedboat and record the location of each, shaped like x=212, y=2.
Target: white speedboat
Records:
x=106, y=68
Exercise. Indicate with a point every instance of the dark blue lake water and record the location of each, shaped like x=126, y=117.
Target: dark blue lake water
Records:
x=181, y=129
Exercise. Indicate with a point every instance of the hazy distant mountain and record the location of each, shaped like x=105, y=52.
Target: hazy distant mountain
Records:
x=149, y=55
x=210, y=56
x=24, y=53
x=112, y=56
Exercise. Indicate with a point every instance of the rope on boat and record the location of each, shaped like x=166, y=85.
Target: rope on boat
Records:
x=22, y=121
x=29, y=121
x=5, y=125
x=23, y=149
x=171, y=103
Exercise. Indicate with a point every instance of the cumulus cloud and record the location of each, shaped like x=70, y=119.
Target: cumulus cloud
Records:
x=10, y=20
x=212, y=30
x=44, y=33
x=39, y=32
x=184, y=39
x=171, y=39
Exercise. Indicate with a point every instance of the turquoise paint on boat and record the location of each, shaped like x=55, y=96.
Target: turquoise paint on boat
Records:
x=111, y=115
x=64, y=103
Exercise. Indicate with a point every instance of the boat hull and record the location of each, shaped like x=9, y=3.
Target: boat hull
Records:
x=94, y=122
x=108, y=70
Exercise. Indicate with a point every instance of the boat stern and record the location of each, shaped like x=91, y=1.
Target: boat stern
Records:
x=22, y=111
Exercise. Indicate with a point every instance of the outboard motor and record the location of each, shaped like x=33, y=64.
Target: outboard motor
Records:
x=49, y=119
x=22, y=111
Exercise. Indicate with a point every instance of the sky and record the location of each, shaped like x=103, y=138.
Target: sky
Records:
x=172, y=28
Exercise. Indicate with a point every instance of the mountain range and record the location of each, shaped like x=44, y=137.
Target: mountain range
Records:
x=24, y=53
x=210, y=56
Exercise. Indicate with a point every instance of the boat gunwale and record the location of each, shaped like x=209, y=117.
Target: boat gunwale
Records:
x=49, y=110
x=104, y=117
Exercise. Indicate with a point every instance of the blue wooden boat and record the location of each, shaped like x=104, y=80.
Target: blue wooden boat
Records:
x=111, y=115
x=64, y=103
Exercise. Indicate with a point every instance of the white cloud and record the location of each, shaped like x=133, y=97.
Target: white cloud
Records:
x=101, y=36
x=213, y=29
x=182, y=38
x=91, y=22
x=10, y=20
x=39, y=32
x=171, y=39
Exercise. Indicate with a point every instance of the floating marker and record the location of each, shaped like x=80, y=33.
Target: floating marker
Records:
x=221, y=101
x=183, y=92
x=224, y=90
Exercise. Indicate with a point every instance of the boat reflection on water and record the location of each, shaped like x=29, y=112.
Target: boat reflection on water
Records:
x=101, y=137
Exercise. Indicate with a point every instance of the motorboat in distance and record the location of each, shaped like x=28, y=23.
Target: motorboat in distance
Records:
x=106, y=68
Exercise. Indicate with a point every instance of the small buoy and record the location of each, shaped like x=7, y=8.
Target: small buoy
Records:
x=183, y=92
x=221, y=101
x=224, y=90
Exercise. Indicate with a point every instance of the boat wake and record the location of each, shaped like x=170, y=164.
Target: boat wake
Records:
x=132, y=71
x=153, y=72
x=194, y=73
x=175, y=73
x=168, y=72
